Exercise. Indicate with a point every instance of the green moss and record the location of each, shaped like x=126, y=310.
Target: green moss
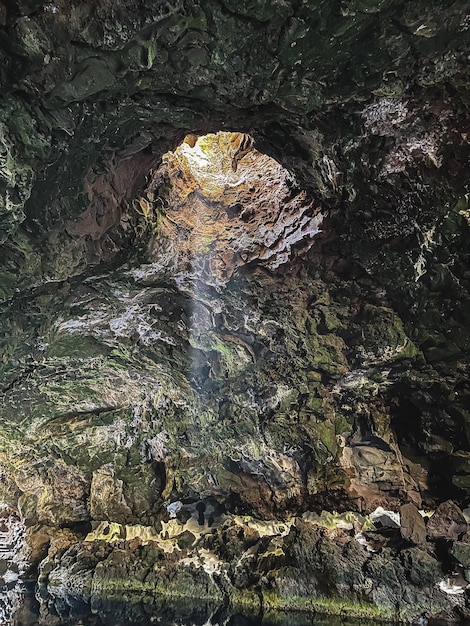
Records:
x=315, y=404
x=131, y=588
x=245, y=599
x=273, y=602
x=327, y=435
x=232, y=356
x=68, y=345
x=341, y=424
x=273, y=605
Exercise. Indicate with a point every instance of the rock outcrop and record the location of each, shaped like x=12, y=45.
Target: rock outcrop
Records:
x=234, y=297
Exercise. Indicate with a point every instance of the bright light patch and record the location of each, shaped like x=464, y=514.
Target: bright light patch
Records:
x=227, y=205
x=217, y=161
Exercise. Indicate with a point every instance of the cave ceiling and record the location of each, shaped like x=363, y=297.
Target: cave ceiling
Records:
x=234, y=262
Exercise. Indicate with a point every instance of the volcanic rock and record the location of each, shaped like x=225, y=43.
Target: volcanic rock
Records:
x=447, y=522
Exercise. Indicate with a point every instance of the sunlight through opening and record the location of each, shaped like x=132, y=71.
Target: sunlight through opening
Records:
x=226, y=205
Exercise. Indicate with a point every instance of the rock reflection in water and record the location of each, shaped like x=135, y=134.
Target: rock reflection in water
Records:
x=18, y=606
x=13, y=564
x=29, y=609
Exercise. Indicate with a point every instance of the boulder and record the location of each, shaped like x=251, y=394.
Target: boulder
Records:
x=448, y=522
x=461, y=551
x=412, y=527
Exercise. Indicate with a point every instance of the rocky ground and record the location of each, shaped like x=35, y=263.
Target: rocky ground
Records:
x=234, y=295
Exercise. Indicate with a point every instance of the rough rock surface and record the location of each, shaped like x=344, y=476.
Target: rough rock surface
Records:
x=234, y=294
x=413, y=527
x=447, y=522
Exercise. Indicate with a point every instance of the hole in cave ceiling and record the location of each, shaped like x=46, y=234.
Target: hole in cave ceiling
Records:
x=222, y=204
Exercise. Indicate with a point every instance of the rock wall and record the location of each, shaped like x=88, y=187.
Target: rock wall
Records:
x=234, y=292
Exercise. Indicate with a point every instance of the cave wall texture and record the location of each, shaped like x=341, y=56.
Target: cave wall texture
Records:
x=210, y=384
